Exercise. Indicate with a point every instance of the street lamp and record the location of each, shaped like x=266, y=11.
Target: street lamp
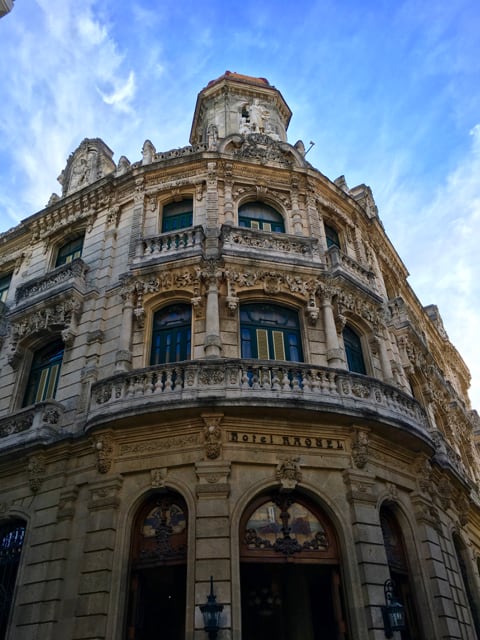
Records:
x=211, y=613
x=393, y=612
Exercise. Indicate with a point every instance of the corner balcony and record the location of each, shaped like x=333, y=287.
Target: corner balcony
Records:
x=283, y=247
x=71, y=276
x=340, y=263
x=250, y=383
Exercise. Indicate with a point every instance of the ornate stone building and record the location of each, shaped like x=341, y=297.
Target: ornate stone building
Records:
x=212, y=364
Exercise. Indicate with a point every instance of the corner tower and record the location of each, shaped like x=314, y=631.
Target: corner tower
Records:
x=239, y=104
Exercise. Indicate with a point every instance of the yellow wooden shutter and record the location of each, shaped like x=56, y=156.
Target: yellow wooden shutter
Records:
x=262, y=344
x=278, y=345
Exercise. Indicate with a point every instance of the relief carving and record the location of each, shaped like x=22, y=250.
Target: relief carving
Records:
x=104, y=450
x=212, y=435
x=36, y=469
x=288, y=472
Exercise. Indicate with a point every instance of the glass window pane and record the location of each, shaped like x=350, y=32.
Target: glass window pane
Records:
x=171, y=337
x=353, y=351
x=70, y=251
x=275, y=329
x=44, y=373
x=177, y=215
x=4, y=286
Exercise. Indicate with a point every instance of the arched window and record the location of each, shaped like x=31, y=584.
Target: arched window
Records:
x=69, y=251
x=332, y=237
x=11, y=543
x=353, y=351
x=458, y=597
x=177, y=215
x=270, y=332
x=399, y=572
x=44, y=373
x=258, y=215
x=171, y=335
x=289, y=571
x=158, y=572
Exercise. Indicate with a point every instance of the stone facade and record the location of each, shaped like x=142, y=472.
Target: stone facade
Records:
x=382, y=463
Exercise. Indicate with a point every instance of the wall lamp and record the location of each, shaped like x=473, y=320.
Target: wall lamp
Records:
x=393, y=612
x=211, y=611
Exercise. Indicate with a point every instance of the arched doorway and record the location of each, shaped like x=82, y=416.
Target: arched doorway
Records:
x=289, y=572
x=399, y=571
x=158, y=569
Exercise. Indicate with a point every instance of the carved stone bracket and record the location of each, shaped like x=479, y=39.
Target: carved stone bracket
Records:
x=360, y=448
x=104, y=446
x=212, y=435
x=36, y=468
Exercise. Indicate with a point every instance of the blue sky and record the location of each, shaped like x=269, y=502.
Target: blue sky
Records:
x=388, y=91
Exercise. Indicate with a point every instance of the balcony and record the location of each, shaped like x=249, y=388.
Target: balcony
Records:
x=257, y=243
x=340, y=263
x=182, y=243
x=34, y=425
x=64, y=278
x=254, y=383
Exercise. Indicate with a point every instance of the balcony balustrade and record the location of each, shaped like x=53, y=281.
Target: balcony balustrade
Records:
x=282, y=246
x=35, y=424
x=262, y=383
x=180, y=243
x=339, y=262
x=67, y=276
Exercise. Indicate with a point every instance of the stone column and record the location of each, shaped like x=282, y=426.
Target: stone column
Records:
x=334, y=352
x=213, y=542
x=384, y=359
x=369, y=546
x=212, y=346
x=123, y=357
x=92, y=608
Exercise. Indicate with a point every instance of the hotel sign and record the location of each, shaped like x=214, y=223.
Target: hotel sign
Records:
x=277, y=440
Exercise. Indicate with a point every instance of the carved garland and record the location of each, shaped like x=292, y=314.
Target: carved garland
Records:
x=61, y=315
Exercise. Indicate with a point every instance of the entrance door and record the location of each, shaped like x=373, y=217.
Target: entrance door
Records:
x=290, y=581
x=158, y=570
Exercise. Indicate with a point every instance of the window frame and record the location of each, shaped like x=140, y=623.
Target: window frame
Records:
x=64, y=256
x=5, y=282
x=44, y=376
x=183, y=218
x=354, y=352
x=329, y=232
x=274, y=224
x=259, y=339
x=8, y=527
x=160, y=336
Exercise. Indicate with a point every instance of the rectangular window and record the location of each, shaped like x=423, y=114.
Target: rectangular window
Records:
x=4, y=286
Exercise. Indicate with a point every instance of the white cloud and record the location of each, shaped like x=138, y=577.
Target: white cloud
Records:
x=444, y=261
x=122, y=94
